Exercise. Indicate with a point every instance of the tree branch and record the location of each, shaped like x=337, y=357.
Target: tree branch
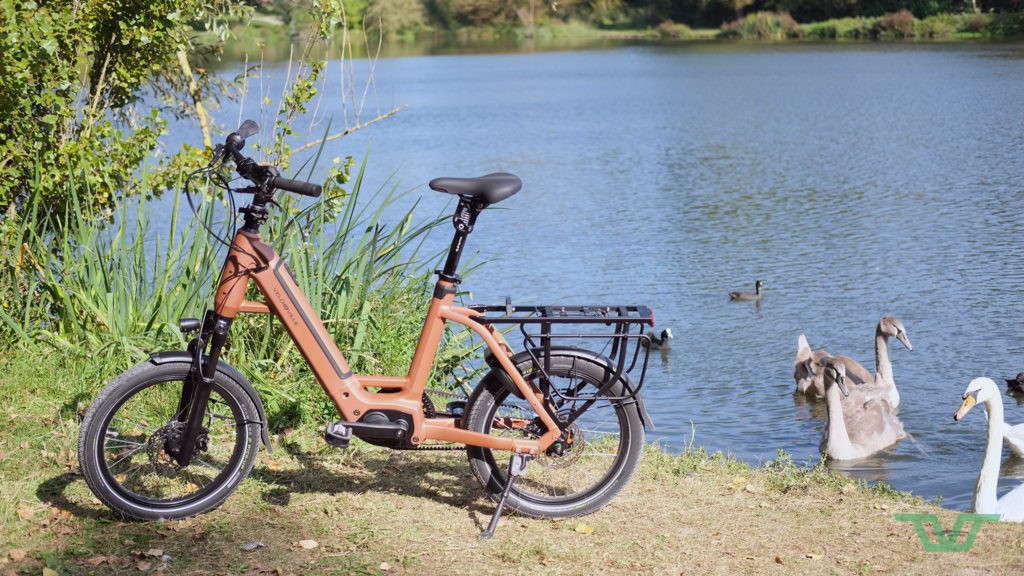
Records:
x=197, y=99
x=347, y=131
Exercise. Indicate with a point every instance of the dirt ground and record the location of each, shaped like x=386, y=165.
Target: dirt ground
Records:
x=308, y=509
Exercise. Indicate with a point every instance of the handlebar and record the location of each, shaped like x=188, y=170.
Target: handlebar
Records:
x=296, y=186
x=263, y=176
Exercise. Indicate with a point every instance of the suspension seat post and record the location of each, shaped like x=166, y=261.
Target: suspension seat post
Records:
x=463, y=221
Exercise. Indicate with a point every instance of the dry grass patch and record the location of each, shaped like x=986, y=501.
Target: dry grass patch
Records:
x=310, y=509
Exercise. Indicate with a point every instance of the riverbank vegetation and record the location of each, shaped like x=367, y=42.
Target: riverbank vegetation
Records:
x=686, y=19
x=94, y=267
x=311, y=509
x=92, y=278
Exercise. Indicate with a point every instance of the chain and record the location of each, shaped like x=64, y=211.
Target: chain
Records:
x=442, y=447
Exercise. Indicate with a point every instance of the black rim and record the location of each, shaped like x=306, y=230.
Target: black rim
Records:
x=209, y=486
x=535, y=475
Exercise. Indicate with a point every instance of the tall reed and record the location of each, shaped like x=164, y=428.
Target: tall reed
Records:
x=111, y=291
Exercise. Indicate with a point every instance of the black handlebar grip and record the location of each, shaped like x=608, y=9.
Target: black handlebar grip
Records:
x=297, y=186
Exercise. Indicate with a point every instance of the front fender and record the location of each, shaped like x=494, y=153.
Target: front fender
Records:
x=229, y=371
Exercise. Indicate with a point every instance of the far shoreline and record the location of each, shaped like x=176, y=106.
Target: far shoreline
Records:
x=270, y=40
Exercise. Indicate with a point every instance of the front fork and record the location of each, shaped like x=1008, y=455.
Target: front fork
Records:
x=195, y=391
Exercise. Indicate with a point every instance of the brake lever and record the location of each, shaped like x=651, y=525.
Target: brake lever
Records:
x=219, y=155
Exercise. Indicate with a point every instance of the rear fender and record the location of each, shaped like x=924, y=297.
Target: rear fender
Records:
x=525, y=357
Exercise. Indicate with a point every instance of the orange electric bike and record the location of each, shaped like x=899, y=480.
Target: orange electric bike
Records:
x=174, y=436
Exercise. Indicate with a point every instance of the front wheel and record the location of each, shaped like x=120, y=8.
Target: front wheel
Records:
x=583, y=470
x=122, y=446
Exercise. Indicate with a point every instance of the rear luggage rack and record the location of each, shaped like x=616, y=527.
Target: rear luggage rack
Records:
x=545, y=327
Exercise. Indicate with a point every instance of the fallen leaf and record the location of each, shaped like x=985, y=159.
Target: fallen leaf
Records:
x=26, y=513
x=153, y=553
x=50, y=572
x=308, y=544
x=95, y=560
x=65, y=530
x=143, y=566
x=582, y=528
x=17, y=555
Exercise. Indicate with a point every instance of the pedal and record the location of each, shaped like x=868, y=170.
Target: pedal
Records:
x=338, y=435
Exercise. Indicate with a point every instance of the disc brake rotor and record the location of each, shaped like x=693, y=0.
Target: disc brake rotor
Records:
x=171, y=434
x=565, y=451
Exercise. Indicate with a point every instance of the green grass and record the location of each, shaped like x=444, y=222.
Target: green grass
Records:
x=374, y=511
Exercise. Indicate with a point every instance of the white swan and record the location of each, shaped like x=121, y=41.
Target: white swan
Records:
x=1011, y=505
x=808, y=374
x=858, y=425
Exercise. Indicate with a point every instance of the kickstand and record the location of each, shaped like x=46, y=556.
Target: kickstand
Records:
x=516, y=468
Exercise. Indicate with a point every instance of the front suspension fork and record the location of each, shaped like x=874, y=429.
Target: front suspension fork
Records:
x=195, y=391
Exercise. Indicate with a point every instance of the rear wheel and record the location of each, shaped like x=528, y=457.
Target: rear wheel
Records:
x=132, y=425
x=582, y=471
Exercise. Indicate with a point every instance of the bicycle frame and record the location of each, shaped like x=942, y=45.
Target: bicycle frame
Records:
x=250, y=259
x=531, y=403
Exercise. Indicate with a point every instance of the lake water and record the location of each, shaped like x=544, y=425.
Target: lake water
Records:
x=856, y=181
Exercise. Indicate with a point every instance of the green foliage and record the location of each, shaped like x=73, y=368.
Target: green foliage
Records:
x=608, y=12
x=70, y=76
x=763, y=26
x=896, y=25
x=840, y=29
x=902, y=26
x=693, y=460
x=112, y=294
x=1007, y=25
x=786, y=476
x=669, y=29
x=396, y=18
x=103, y=289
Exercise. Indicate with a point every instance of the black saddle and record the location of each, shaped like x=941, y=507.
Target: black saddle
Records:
x=492, y=188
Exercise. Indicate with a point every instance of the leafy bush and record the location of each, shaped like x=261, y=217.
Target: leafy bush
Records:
x=895, y=25
x=64, y=128
x=764, y=26
x=1007, y=25
x=853, y=28
x=396, y=17
x=668, y=29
